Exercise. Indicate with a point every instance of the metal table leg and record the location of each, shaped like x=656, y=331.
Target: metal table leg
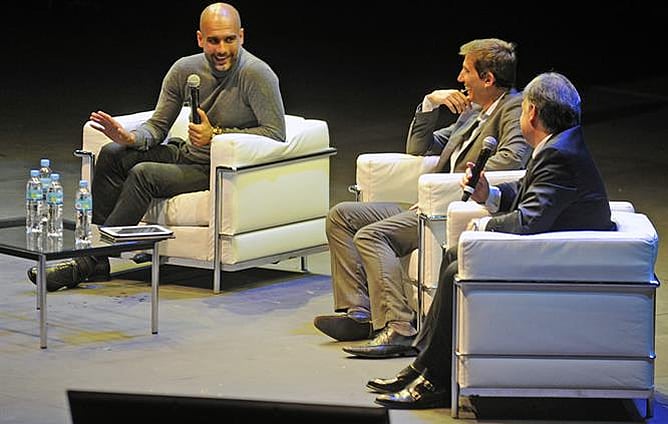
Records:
x=155, y=282
x=41, y=297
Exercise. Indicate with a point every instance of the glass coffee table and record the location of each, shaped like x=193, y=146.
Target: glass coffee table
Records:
x=15, y=242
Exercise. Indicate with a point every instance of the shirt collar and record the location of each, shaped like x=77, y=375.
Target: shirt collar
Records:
x=490, y=110
x=540, y=146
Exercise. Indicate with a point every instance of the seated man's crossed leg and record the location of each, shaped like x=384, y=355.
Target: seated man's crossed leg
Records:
x=367, y=241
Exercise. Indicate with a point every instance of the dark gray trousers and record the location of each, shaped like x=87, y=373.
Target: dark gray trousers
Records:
x=126, y=180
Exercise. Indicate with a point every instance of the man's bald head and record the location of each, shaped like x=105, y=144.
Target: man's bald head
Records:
x=220, y=35
x=217, y=11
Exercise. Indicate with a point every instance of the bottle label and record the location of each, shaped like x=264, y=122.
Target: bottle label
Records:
x=46, y=182
x=54, y=197
x=34, y=194
x=83, y=204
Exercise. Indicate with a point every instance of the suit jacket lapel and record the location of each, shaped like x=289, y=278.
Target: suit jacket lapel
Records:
x=456, y=139
x=467, y=139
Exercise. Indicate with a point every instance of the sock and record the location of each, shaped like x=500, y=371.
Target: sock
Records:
x=404, y=328
x=359, y=313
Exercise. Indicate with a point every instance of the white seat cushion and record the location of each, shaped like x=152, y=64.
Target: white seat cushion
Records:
x=188, y=209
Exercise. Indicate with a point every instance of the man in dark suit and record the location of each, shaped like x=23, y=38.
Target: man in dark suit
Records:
x=561, y=190
x=367, y=239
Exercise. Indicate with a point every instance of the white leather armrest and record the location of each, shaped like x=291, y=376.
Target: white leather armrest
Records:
x=626, y=255
x=459, y=215
x=93, y=140
x=247, y=196
x=621, y=206
x=303, y=137
x=437, y=191
x=391, y=177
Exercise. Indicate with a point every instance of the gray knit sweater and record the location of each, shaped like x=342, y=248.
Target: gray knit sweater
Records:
x=244, y=99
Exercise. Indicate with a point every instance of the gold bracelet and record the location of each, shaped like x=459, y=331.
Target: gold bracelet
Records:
x=217, y=130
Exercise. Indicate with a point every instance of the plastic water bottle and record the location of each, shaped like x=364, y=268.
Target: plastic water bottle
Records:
x=45, y=174
x=45, y=178
x=54, y=206
x=83, y=208
x=34, y=203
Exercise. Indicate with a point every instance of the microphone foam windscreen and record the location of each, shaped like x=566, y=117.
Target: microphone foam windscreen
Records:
x=193, y=81
x=489, y=142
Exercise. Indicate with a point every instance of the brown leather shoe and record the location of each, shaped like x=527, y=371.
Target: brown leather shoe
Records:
x=70, y=273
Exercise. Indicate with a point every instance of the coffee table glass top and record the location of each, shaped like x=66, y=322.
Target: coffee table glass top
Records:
x=14, y=241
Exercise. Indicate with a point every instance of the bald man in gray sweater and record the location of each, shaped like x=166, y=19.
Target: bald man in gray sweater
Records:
x=239, y=93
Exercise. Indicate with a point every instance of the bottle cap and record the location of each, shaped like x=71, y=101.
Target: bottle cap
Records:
x=83, y=183
x=55, y=176
x=44, y=162
x=34, y=172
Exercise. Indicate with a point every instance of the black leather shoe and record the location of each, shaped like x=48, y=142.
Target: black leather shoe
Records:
x=142, y=257
x=395, y=384
x=345, y=328
x=420, y=394
x=387, y=344
x=70, y=273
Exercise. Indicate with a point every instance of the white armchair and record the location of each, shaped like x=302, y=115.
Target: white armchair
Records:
x=398, y=177
x=268, y=200
x=560, y=314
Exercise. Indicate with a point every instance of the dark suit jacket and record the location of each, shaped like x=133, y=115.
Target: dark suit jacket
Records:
x=561, y=190
x=512, y=150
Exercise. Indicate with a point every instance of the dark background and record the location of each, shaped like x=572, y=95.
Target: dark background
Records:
x=361, y=66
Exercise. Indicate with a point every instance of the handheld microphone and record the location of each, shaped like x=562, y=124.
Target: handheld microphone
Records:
x=193, y=85
x=488, y=146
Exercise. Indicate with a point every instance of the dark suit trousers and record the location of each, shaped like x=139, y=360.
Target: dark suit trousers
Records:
x=435, y=338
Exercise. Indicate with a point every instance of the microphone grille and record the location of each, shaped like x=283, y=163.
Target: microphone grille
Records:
x=193, y=81
x=489, y=142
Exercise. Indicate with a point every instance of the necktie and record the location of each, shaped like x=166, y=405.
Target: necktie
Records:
x=455, y=143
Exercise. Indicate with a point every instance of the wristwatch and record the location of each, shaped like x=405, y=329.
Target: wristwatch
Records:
x=217, y=130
